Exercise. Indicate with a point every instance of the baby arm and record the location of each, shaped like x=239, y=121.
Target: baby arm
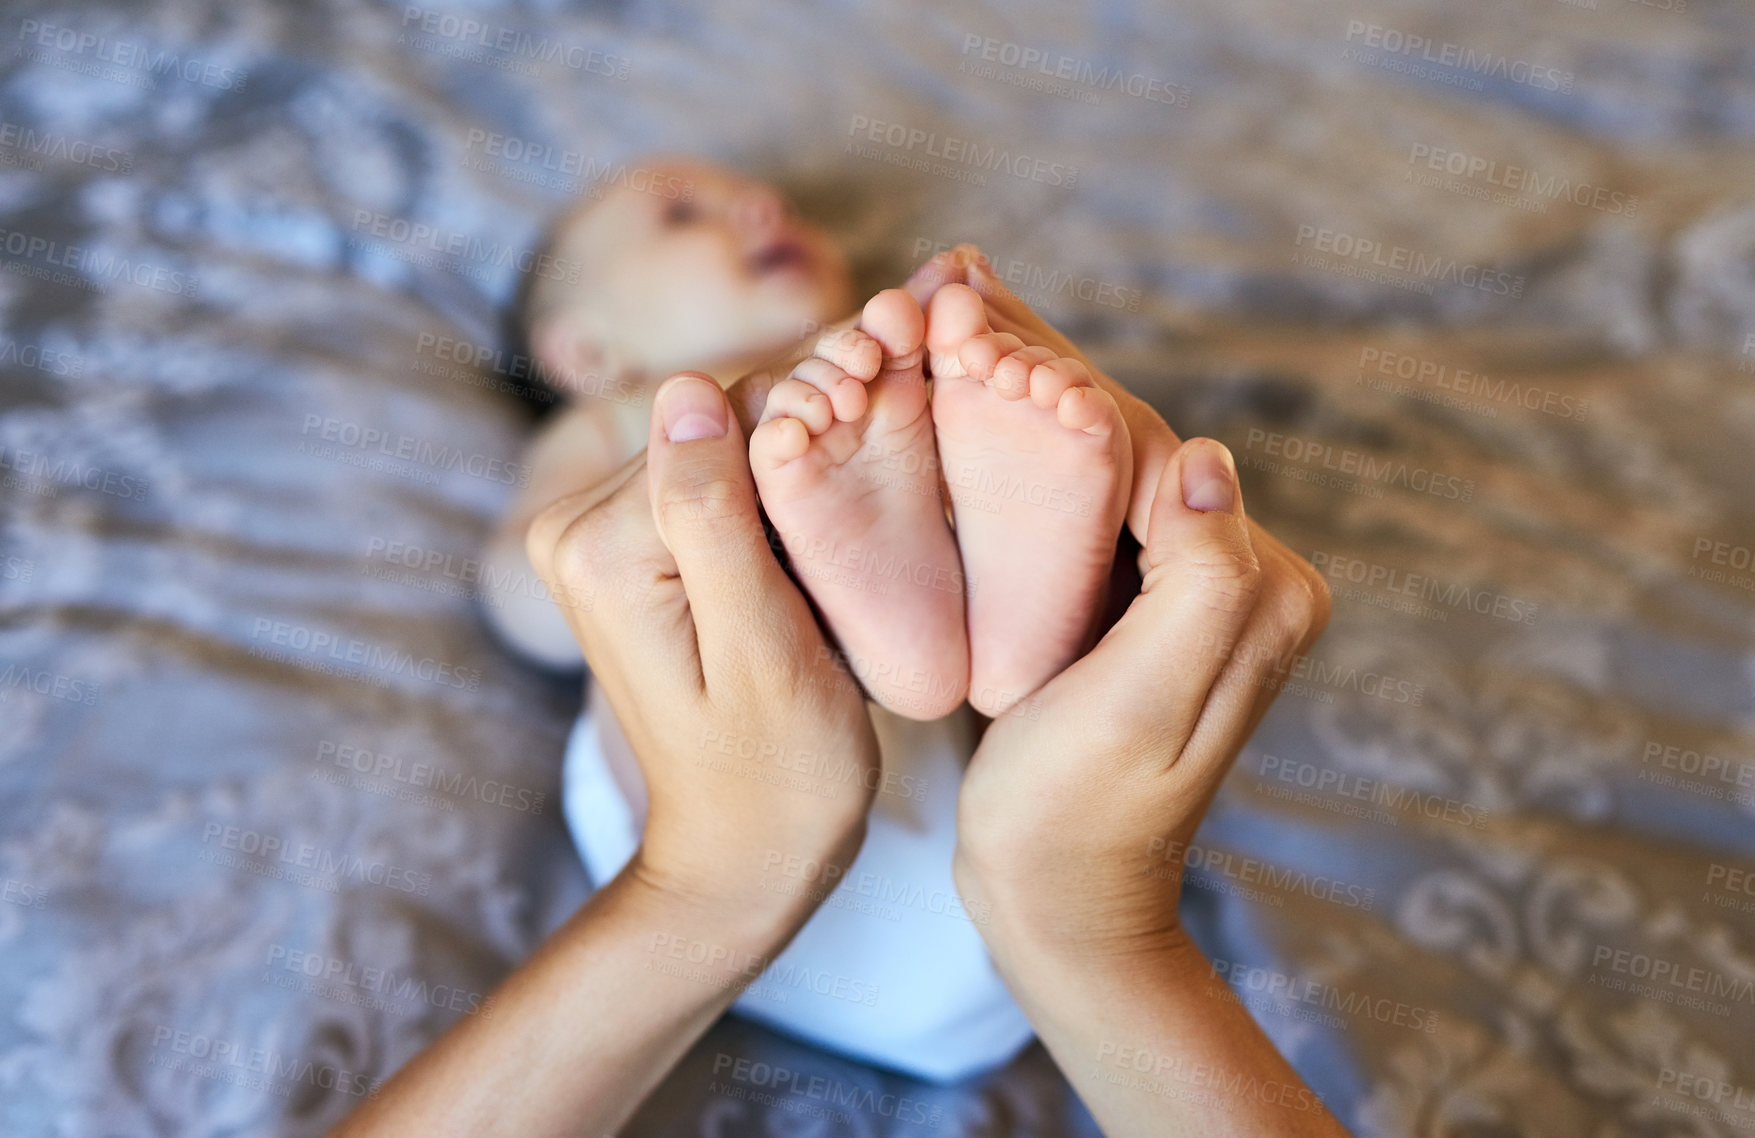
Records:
x=575, y=451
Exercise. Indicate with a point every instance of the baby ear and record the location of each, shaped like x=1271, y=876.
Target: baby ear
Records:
x=571, y=359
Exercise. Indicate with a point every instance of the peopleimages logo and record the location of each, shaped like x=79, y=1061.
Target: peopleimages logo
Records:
x=98, y=270
x=525, y=160
x=1254, y=871
x=718, y=965
x=37, y=358
x=1075, y=72
x=231, y=1061
x=1172, y=1075
x=422, y=238
x=1520, y=179
x=350, y=436
x=1419, y=266
x=1357, y=464
x=1375, y=792
x=1036, y=284
x=1673, y=977
x=1471, y=384
x=513, y=43
x=150, y=64
x=1247, y=979
x=824, y=768
x=830, y=1091
x=18, y=677
x=1706, y=1088
x=427, y=776
x=1393, y=44
x=1399, y=581
x=30, y=466
x=959, y=153
x=878, y=887
x=324, y=868
x=59, y=148
x=1285, y=669
x=23, y=894
x=391, y=986
x=330, y=650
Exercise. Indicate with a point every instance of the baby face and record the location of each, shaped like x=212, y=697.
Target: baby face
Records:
x=701, y=266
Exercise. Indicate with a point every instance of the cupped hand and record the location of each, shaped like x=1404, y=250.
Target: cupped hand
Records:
x=1295, y=598
x=1077, y=803
x=750, y=739
x=750, y=736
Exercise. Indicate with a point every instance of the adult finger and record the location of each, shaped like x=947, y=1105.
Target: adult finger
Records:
x=1153, y=440
x=1286, y=576
x=1294, y=601
x=704, y=503
x=600, y=556
x=1291, y=613
x=1200, y=587
x=948, y=267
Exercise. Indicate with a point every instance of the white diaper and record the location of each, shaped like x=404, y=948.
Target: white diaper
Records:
x=891, y=968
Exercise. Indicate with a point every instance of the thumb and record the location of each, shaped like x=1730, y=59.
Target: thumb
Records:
x=950, y=266
x=1153, y=440
x=1196, y=524
x=1201, y=582
x=704, y=505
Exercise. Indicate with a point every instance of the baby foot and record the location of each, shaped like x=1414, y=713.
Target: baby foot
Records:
x=845, y=462
x=1037, y=462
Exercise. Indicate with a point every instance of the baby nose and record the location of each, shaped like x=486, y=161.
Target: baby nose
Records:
x=760, y=211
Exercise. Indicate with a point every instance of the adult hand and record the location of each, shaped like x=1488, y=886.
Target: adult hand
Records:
x=1293, y=594
x=751, y=739
x=1078, y=803
x=749, y=734
x=1072, y=800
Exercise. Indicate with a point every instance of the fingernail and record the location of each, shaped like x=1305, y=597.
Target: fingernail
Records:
x=692, y=408
x=981, y=276
x=927, y=268
x=1209, y=477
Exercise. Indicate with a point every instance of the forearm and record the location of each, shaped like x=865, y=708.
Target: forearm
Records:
x=581, y=1034
x=1156, y=1045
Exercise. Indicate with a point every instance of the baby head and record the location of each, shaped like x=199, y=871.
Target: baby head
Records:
x=687, y=266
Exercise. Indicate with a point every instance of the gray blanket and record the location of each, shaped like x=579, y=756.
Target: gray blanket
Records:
x=1469, y=290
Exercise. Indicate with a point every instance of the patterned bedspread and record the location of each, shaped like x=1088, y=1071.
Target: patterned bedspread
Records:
x=1469, y=290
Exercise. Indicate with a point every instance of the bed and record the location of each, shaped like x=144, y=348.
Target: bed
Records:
x=1469, y=291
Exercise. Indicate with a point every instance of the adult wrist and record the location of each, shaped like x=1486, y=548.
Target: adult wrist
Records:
x=762, y=894
x=1070, y=916
x=1052, y=961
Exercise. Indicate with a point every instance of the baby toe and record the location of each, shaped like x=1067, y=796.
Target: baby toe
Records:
x=1089, y=409
x=953, y=316
x=853, y=351
x=776, y=442
x=795, y=399
x=1011, y=375
x=846, y=393
x=1052, y=378
x=981, y=354
x=895, y=321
